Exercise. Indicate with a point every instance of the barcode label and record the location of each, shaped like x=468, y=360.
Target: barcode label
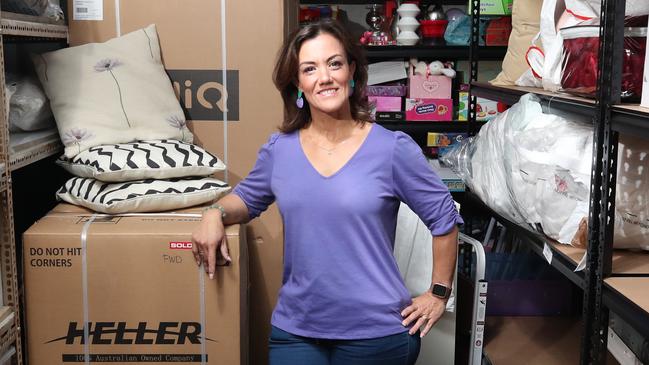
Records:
x=88, y=9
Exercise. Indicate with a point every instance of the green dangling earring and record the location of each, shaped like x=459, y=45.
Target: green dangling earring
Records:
x=299, y=102
x=352, y=85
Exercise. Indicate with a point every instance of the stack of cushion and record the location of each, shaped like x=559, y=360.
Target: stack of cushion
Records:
x=125, y=134
x=144, y=176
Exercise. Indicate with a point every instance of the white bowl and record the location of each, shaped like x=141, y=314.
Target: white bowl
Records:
x=407, y=38
x=408, y=24
x=408, y=10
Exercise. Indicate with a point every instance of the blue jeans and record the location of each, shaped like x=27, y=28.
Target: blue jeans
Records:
x=289, y=349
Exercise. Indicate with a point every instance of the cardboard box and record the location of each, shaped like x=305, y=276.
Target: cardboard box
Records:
x=145, y=294
x=463, y=106
x=390, y=116
x=494, y=7
x=386, y=90
x=486, y=109
x=444, y=139
x=429, y=109
x=386, y=103
x=191, y=36
x=431, y=87
x=440, y=143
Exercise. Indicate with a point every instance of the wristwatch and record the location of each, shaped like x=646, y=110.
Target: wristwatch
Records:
x=440, y=290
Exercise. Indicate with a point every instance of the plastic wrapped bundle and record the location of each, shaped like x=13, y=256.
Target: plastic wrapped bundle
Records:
x=46, y=8
x=531, y=167
x=29, y=109
x=535, y=169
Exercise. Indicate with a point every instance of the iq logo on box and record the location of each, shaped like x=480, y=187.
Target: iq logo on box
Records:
x=203, y=94
x=180, y=245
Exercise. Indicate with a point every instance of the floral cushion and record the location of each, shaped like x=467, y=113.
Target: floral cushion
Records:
x=112, y=92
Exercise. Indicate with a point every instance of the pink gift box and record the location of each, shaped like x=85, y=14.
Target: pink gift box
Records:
x=431, y=87
x=386, y=103
x=429, y=109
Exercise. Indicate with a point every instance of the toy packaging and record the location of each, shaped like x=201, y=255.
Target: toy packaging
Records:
x=429, y=109
x=463, y=106
x=486, y=110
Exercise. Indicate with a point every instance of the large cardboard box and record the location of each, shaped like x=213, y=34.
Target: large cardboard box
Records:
x=196, y=36
x=140, y=291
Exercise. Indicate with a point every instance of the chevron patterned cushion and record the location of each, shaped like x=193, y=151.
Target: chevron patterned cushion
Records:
x=141, y=196
x=160, y=159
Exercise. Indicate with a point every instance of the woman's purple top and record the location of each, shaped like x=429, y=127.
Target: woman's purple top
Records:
x=340, y=278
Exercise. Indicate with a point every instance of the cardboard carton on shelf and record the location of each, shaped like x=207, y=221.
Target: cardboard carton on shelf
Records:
x=147, y=300
x=384, y=104
x=486, y=109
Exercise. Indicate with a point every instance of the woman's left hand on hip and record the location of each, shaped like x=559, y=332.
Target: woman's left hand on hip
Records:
x=424, y=312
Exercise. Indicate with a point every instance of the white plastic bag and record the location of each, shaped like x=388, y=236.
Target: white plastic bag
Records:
x=591, y=8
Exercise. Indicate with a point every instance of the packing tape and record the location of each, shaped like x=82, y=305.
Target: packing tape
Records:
x=84, y=285
x=101, y=215
x=118, y=19
x=201, y=290
x=224, y=71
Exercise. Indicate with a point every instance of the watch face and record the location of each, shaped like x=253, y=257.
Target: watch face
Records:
x=440, y=290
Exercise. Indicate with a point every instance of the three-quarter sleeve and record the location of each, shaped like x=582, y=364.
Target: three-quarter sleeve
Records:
x=255, y=189
x=416, y=184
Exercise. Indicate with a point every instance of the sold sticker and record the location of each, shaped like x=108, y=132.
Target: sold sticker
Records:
x=180, y=245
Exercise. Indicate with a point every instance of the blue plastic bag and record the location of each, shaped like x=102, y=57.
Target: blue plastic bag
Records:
x=458, y=32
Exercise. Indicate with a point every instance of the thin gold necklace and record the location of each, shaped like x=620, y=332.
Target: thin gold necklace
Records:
x=330, y=151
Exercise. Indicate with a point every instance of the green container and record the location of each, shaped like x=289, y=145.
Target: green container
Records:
x=494, y=7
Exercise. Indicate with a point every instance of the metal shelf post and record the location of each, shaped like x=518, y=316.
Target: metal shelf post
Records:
x=602, y=188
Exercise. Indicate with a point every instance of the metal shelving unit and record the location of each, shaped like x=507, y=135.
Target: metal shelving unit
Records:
x=436, y=52
x=609, y=276
x=423, y=127
x=27, y=148
x=17, y=151
x=20, y=25
x=365, y=2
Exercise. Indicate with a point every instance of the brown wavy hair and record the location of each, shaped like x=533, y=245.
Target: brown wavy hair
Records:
x=286, y=73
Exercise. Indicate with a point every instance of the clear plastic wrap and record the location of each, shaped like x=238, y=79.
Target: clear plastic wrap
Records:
x=531, y=167
x=46, y=8
x=535, y=169
x=29, y=108
x=580, y=59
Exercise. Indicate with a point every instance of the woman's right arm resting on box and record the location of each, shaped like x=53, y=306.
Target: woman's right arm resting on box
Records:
x=248, y=200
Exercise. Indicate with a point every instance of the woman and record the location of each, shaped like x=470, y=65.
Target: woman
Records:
x=338, y=180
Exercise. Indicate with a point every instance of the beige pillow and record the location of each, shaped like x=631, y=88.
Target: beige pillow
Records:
x=111, y=92
x=525, y=26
